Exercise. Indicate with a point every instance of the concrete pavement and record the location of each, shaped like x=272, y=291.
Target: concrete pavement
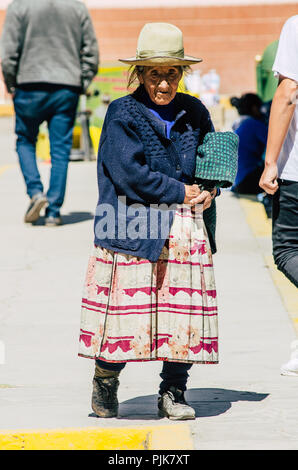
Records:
x=242, y=403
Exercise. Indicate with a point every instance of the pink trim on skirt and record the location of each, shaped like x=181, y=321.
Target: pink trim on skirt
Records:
x=135, y=310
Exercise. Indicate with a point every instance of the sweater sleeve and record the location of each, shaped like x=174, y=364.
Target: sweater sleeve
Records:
x=122, y=156
x=89, y=51
x=11, y=46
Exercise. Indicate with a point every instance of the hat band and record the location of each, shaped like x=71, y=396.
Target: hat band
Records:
x=147, y=54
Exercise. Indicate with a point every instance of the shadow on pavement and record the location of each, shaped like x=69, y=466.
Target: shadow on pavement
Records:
x=250, y=197
x=206, y=402
x=71, y=218
x=215, y=401
x=263, y=198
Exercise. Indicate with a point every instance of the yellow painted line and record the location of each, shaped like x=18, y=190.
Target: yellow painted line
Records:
x=261, y=226
x=6, y=110
x=175, y=437
x=5, y=167
x=256, y=217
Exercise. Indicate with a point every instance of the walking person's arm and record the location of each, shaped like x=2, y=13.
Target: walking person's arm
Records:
x=282, y=109
x=89, y=51
x=11, y=46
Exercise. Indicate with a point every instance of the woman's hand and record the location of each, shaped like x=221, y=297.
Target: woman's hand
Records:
x=191, y=193
x=193, y=196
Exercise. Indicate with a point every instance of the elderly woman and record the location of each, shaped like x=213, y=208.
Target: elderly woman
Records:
x=150, y=292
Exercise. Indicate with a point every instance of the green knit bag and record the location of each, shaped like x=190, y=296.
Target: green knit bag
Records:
x=217, y=160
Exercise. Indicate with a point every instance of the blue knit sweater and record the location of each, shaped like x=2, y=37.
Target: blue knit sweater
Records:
x=140, y=168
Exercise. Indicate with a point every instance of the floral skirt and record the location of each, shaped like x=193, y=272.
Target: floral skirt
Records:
x=136, y=310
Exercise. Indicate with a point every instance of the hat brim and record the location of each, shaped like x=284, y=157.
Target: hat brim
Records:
x=158, y=60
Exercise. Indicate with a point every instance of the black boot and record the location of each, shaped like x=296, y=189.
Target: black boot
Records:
x=104, y=395
x=172, y=404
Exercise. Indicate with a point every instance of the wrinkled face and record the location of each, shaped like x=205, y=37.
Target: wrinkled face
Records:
x=161, y=83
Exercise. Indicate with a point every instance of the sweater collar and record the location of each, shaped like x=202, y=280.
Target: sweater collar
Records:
x=142, y=100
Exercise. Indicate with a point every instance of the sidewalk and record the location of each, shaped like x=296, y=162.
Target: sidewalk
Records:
x=242, y=403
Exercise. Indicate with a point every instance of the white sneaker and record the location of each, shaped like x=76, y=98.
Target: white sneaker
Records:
x=38, y=201
x=172, y=404
x=291, y=367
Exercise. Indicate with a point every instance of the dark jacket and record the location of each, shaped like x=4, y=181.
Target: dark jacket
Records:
x=48, y=41
x=140, y=168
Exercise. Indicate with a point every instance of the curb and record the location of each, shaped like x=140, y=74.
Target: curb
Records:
x=175, y=437
x=260, y=225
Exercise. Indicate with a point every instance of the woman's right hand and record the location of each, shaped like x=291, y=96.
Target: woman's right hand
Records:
x=193, y=196
x=191, y=193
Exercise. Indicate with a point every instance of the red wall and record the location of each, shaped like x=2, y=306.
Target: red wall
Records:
x=227, y=38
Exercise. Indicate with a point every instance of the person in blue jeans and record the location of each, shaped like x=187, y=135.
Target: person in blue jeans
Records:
x=49, y=57
x=57, y=106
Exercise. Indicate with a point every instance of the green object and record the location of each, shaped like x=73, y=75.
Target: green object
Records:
x=266, y=81
x=217, y=160
x=209, y=216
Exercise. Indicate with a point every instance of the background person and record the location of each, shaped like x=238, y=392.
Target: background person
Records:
x=151, y=298
x=280, y=176
x=252, y=130
x=49, y=56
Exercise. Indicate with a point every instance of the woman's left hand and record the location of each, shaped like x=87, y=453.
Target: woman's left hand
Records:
x=204, y=198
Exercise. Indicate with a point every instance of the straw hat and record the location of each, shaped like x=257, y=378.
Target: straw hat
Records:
x=160, y=44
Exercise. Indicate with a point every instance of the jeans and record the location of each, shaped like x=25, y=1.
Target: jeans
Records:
x=173, y=373
x=285, y=229
x=58, y=108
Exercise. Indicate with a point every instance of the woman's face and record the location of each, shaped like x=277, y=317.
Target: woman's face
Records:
x=161, y=83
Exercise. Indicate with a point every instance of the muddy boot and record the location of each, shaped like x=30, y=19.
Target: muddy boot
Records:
x=104, y=395
x=172, y=404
